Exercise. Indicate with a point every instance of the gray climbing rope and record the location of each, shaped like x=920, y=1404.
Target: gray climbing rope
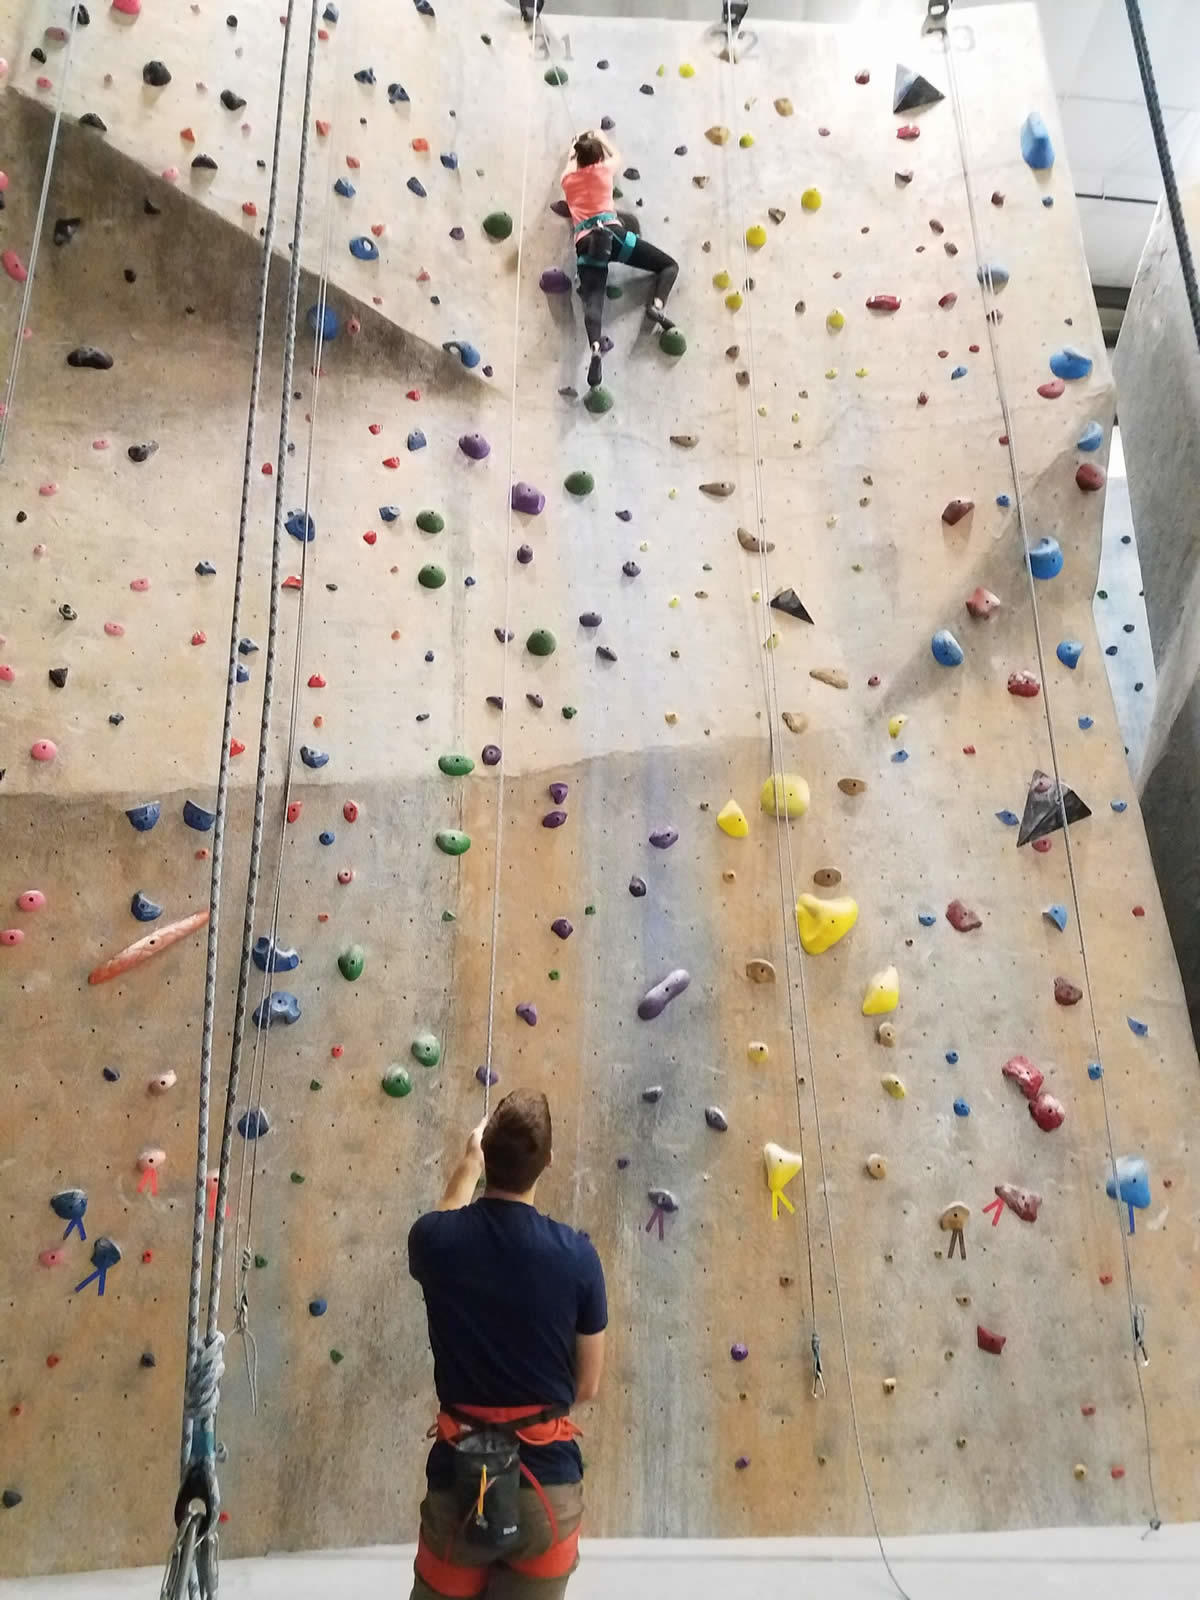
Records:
x=1165, y=165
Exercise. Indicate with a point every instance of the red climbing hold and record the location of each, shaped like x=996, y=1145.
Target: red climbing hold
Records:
x=378, y=229
x=956, y=510
x=353, y=163
x=993, y=1343
x=1023, y=1202
x=295, y=807
x=53, y=1360
x=370, y=536
x=1118, y=1472
x=968, y=749
x=374, y=427
x=187, y=135
x=1067, y=993
x=1024, y=684
x=413, y=394
x=862, y=77
x=1047, y=1112
x=338, y=1051
x=961, y=917
x=1139, y=911
x=392, y=462
x=14, y=266
x=249, y=208
x=982, y=602
x=345, y=876
x=948, y=301
x=350, y=811
x=316, y=681
x=322, y=127
x=908, y=131
x=1087, y=1411
x=127, y=8
x=1051, y=390
x=883, y=302
x=1043, y=845
x=873, y=681
x=292, y=582
x=421, y=146
x=922, y=398
x=1023, y=1073
x=236, y=747
x=1106, y=1278
x=147, y=1257
x=1089, y=477
x=199, y=638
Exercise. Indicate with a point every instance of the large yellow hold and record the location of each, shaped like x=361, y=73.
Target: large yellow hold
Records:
x=781, y=1167
x=756, y=236
x=823, y=922
x=811, y=199
x=883, y=993
x=721, y=279
x=784, y=795
x=731, y=819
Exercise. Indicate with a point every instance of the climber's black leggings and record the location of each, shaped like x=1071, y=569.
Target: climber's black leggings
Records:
x=594, y=280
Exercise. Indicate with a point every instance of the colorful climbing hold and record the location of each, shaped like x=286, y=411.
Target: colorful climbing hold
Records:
x=731, y=819
x=1037, y=149
x=657, y=998
x=947, y=651
x=882, y=993
x=822, y=923
x=452, y=841
x=784, y=795
x=780, y=1167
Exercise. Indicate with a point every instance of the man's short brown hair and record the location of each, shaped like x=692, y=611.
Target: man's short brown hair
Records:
x=516, y=1142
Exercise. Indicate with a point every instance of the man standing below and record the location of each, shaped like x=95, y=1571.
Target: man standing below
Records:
x=517, y=1311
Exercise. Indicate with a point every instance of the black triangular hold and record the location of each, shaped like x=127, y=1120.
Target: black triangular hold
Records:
x=912, y=90
x=1045, y=805
x=788, y=600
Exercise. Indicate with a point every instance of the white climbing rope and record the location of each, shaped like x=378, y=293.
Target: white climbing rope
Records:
x=508, y=562
x=775, y=731
x=987, y=294
x=10, y=388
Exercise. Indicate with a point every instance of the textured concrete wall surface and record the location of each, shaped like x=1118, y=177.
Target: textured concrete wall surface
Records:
x=842, y=448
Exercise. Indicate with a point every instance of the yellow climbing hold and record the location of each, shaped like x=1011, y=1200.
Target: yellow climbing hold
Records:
x=756, y=236
x=893, y=1086
x=671, y=717
x=821, y=923
x=784, y=795
x=831, y=372
x=673, y=602
x=835, y=320
x=860, y=372
x=895, y=724
x=746, y=140
x=757, y=1051
x=731, y=819
x=771, y=642
x=687, y=70
x=781, y=1167
x=721, y=279
x=734, y=301
x=811, y=199
x=762, y=411
x=883, y=993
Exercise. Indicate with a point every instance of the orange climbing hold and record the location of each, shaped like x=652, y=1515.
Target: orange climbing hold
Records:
x=153, y=944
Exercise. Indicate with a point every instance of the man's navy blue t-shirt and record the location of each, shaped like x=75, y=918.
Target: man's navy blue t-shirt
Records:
x=506, y=1291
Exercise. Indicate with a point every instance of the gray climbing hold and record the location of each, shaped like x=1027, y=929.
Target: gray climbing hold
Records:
x=789, y=601
x=653, y=1094
x=993, y=272
x=416, y=440
x=590, y=619
x=416, y=187
x=637, y=887
x=86, y=355
x=656, y=1000
x=231, y=100
x=716, y=1119
x=203, y=163
x=664, y=838
x=138, y=453
x=156, y=74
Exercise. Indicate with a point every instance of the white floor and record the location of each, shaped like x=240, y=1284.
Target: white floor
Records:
x=1053, y=1564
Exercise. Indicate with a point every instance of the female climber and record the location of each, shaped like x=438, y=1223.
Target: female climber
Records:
x=602, y=237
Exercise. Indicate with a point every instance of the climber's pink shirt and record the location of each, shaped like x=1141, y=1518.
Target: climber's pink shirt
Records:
x=588, y=190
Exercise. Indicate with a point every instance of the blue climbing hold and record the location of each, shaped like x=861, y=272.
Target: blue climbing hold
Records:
x=1037, y=149
x=900, y=757
x=327, y=323
x=397, y=94
x=947, y=651
x=69, y=1205
x=143, y=909
x=959, y=372
x=365, y=75
x=144, y=817
x=417, y=440
x=389, y=513
x=465, y=352
x=1141, y=1029
x=247, y=647
x=994, y=272
x=317, y=1308
x=313, y=758
x=278, y=1007
x=196, y=817
x=1095, y=1071
x=926, y=918
x=450, y=160
x=326, y=837
x=1091, y=438
x=961, y=1108
x=253, y=1124
x=1047, y=201
x=1069, y=652
x=1004, y=500
x=1130, y=1182
x=241, y=673
x=1057, y=915
x=1087, y=722
x=345, y=188
x=1070, y=363
x=417, y=187
x=330, y=13
x=1046, y=558
x=271, y=957
x=1010, y=819
x=363, y=248
x=952, y=1057
x=302, y=527
x=1118, y=805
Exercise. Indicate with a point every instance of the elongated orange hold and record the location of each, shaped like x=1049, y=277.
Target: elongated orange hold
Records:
x=134, y=954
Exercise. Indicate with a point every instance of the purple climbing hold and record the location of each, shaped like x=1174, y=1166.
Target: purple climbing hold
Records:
x=655, y=1001
x=417, y=187
x=527, y=499
x=554, y=819
x=457, y=233
x=637, y=887
x=496, y=701
x=528, y=1013
x=664, y=838
x=524, y=554
x=486, y=1075
x=624, y=516
x=560, y=208
x=475, y=446
x=554, y=281
x=562, y=928
x=605, y=652
x=557, y=793
x=590, y=619
x=490, y=755
x=738, y=1351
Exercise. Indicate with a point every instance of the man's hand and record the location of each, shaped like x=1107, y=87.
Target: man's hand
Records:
x=461, y=1187
x=474, y=1148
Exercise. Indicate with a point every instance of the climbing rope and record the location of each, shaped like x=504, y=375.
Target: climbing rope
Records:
x=10, y=387
x=508, y=564
x=1165, y=165
x=775, y=733
x=987, y=293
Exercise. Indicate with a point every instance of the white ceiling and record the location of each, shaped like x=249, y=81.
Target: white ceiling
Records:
x=1091, y=57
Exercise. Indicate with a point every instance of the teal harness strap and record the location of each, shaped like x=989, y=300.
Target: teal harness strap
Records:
x=628, y=245
x=597, y=221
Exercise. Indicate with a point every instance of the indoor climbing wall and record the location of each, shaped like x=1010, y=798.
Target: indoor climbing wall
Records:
x=554, y=646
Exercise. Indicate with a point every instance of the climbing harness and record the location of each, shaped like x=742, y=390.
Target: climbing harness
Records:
x=620, y=246
x=1061, y=789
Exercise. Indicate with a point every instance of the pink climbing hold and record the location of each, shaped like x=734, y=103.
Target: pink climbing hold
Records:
x=1024, y=684
x=11, y=936
x=962, y=917
x=1047, y=1112
x=31, y=900
x=171, y=174
x=993, y=1343
x=3, y=182
x=1089, y=477
x=43, y=750
x=127, y=8
x=6, y=673
x=1023, y=1073
x=883, y=302
x=46, y=490
x=99, y=444
x=14, y=266
x=199, y=638
x=1052, y=390
x=982, y=602
x=114, y=630
x=139, y=585
x=908, y=131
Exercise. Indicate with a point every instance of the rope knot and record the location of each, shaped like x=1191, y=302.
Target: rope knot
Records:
x=202, y=1386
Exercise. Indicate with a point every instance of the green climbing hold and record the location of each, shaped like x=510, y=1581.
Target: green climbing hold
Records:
x=430, y=521
x=431, y=577
x=396, y=1082
x=618, y=192
x=589, y=911
x=672, y=343
x=297, y=1177
x=452, y=841
x=351, y=962
x=497, y=225
x=448, y=916
x=555, y=75
x=456, y=766
x=336, y=1357
x=614, y=291
x=598, y=401
x=427, y=1050
x=541, y=642
x=314, y=1083
x=579, y=483
x=260, y=1261
x=554, y=974
x=569, y=712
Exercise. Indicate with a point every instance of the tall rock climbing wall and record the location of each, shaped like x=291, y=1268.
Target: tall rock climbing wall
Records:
x=517, y=734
